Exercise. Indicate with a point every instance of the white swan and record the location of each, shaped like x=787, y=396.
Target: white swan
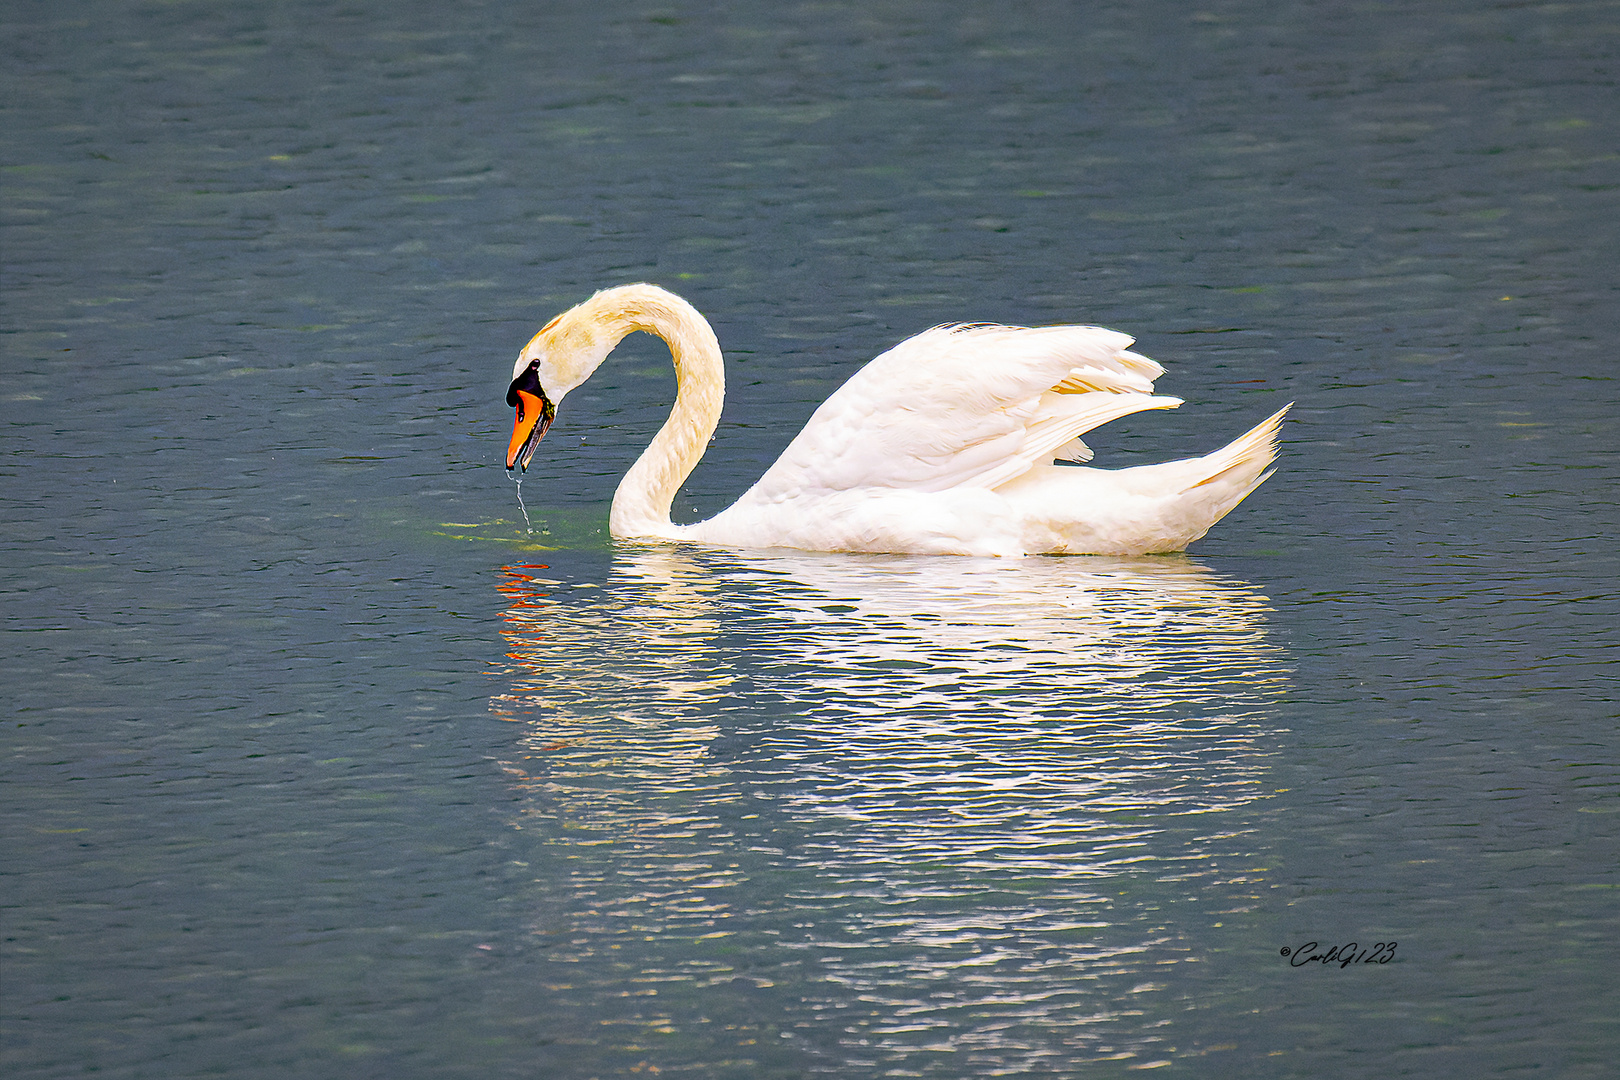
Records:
x=943, y=445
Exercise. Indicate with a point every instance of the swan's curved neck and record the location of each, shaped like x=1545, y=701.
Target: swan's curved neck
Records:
x=641, y=504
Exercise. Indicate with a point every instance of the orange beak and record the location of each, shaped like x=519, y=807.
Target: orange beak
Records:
x=534, y=415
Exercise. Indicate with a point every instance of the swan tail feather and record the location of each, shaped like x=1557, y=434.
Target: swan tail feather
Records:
x=1232, y=473
x=1240, y=461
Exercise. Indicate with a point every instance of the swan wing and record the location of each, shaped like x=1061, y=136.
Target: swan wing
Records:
x=964, y=407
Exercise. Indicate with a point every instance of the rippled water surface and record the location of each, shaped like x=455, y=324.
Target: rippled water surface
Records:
x=319, y=763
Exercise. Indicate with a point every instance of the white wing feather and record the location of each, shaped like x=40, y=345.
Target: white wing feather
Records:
x=964, y=407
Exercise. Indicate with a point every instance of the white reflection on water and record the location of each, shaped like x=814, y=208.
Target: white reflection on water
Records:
x=948, y=800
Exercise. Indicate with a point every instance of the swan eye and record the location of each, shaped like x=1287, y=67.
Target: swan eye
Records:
x=529, y=381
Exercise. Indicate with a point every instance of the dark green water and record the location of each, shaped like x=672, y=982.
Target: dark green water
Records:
x=317, y=764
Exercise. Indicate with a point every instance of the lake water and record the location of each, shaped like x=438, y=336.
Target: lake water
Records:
x=318, y=764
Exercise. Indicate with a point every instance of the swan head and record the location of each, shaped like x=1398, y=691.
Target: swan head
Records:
x=573, y=345
x=535, y=411
x=557, y=359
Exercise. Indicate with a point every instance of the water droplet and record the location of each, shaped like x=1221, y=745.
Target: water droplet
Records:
x=528, y=527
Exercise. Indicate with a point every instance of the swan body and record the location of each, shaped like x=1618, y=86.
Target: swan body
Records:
x=945, y=444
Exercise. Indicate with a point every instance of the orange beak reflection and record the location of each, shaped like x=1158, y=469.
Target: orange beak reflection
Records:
x=534, y=415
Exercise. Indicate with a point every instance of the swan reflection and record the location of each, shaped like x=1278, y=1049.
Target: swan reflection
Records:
x=896, y=777
x=908, y=681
